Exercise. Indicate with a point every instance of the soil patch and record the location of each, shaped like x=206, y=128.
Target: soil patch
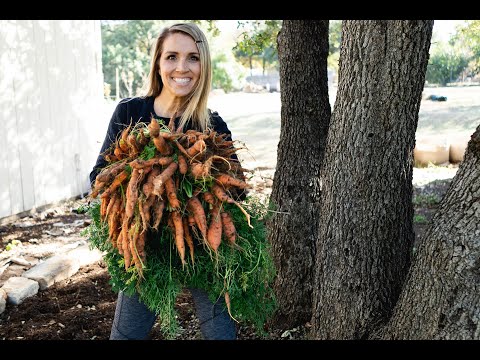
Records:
x=82, y=307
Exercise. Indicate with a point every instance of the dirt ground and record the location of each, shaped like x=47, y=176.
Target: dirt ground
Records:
x=82, y=307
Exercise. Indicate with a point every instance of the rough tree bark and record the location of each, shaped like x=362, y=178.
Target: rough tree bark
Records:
x=441, y=298
x=305, y=115
x=366, y=230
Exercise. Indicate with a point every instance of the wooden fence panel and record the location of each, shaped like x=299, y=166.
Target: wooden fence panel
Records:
x=51, y=92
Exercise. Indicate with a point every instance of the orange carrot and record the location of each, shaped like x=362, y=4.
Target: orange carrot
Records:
x=196, y=148
x=99, y=185
x=208, y=197
x=229, y=306
x=122, y=142
x=158, y=207
x=111, y=203
x=179, y=240
x=228, y=227
x=192, y=136
x=113, y=227
x=182, y=165
x=103, y=206
x=214, y=234
x=147, y=187
x=188, y=238
x=109, y=173
x=119, y=179
x=201, y=170
x=162, y=146
x=140, y=163
x=145, y=213
x=125, y=242
x=153, y=128
x=132, y=192
x=159, y=192
x=196, y=170
x=132, y=245
x=119, y=154
x=120, y=243
x=132, y=144
x=222, y=196
x=142, y=139
x=164, y=161
x=170, y=136
x=195, y=207
x=171, y=190
x=141, y=246
x=111, y=158
x=159, y=180
x=227, y=181
x=182, y=149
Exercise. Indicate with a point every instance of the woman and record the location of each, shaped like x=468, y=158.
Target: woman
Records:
x=178, y=86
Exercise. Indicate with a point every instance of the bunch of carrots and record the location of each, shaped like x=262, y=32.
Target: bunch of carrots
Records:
x=159, y=175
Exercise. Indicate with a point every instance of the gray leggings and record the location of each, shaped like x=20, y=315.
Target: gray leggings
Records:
x=133, y=320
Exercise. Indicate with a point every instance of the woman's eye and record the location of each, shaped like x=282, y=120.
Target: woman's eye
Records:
x=194, y=58
x=171, y=57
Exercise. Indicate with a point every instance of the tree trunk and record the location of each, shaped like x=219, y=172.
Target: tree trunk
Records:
x=366, y=227
x=305, y=115
x=441, y=298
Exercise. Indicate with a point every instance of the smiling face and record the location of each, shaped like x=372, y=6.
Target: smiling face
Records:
x=179, y=66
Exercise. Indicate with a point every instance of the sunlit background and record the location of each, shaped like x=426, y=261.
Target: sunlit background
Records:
x=60, y=81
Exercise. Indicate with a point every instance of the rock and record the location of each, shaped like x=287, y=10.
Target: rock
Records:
x=19, y=288
x=56, y=232
x=52, y=270
x=3, y=300
x=11, y=271
x=79, y=222
x=20, y=261
x=24, y=224
x=85, y=256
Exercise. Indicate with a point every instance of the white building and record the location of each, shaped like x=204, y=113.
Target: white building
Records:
x=51, y=97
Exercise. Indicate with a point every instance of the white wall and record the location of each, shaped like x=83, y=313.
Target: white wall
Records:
x=51, y=93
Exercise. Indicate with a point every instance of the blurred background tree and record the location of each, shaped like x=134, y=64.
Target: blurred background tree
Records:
x=257, y=46
x=221, y=79
x=252, y=48
x=126, y=47
x=455, y=60
x=469, y=35
x=334, y=39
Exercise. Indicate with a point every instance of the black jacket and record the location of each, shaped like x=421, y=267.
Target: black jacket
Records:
x=141, y=109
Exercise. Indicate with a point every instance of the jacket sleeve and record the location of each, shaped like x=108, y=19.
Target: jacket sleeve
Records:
x=116, y=125
x=220, y=126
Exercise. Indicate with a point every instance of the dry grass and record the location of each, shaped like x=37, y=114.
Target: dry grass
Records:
x=254, y=119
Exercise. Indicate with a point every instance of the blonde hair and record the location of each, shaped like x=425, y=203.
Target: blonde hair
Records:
x=196, y=109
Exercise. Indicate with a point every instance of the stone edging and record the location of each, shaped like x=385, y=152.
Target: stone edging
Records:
x=43, y=275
